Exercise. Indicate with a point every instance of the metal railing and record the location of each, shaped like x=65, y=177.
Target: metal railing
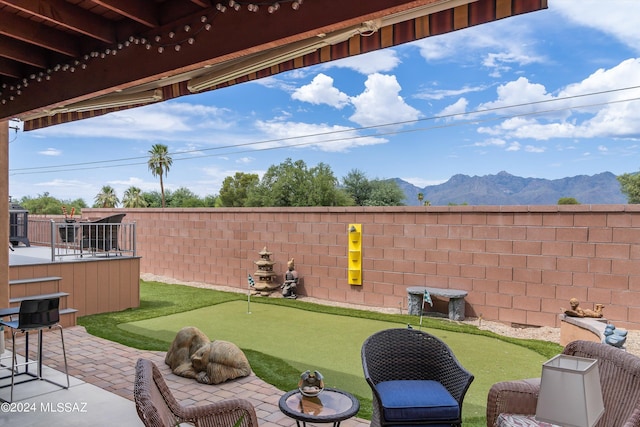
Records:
x=83, y=238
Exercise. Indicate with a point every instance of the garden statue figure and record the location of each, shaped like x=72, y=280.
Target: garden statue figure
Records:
x=576, y=311
x=290, y=281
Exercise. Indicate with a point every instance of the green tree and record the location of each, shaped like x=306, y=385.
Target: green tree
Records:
x=106, y=198
x=385, y=193
x=185, y=198
x=153, y=199
x=235, y=189
x=133, y=198
x=285, y=184
x=568, y=201
x=630, y=186
x=293, y=184
x=324, y=190
x=45, y=204
x=212, y=201
x=357, y=185
x=159, y=163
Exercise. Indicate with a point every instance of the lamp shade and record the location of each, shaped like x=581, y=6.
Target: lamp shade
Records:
x=570, y=392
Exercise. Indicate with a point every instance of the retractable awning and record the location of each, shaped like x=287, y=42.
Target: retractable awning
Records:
x=140, y=60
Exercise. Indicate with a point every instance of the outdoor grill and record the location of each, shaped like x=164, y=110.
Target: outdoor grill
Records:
x=18, y=224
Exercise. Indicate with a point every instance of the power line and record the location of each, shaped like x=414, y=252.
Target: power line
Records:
x=105, y=163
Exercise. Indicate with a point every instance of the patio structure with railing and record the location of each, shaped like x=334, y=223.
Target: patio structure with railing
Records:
x=90, y=264
x=67, y=238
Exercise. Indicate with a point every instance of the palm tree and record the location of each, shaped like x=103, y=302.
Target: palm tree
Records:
x=159, y=164
x=107, y=197
x=133, y=198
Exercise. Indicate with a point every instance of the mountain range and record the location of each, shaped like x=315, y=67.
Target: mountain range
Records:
x=506, y=189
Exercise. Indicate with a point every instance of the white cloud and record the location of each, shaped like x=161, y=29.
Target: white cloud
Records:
x=378, y=61
x=534, y=149
x=153, y=122
x=438, y=94
x=609, y=113
x=514, y=146
x=332, y=138
x=120, y=185
x=502, y=44
x=275, y=82
x=519, y=92
x=215, y=176
x=50, y=152
x=381, y=103
x=457, y=108
x=423, y=182
x=491, y=142
x=321, y=91
x=63, y=189
x=614, y=17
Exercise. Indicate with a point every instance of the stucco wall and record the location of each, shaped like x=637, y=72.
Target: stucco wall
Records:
x=520, y=264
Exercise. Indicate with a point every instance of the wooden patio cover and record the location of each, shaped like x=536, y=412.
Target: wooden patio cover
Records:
x=62, y=61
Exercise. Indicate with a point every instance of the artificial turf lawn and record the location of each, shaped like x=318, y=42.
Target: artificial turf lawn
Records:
x=331, y=344
x=160, y=300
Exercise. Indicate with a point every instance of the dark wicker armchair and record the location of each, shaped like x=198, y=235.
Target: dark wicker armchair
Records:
x=157, y=407
x=415, y=379
x=102, y=234
x=619, y=378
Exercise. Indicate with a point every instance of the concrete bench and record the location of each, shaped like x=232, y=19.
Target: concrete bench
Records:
x=456, y=300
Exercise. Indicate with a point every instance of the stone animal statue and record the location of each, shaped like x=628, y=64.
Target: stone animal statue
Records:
x=193, y=355
x=220, y=361
x=187, y=341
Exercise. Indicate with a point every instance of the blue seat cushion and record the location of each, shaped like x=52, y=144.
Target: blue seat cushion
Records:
x=416, y=400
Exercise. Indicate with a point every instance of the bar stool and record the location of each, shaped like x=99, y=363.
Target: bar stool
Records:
x=34, y=315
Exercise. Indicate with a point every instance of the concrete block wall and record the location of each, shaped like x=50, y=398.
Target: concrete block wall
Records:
x=520, y=264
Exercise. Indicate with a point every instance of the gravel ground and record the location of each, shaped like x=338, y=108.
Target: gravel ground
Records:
x=544, y=333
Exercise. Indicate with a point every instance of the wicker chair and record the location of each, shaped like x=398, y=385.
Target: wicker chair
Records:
x=415, y=379
x=157, y=407
x=102, y=234
x=619, y=378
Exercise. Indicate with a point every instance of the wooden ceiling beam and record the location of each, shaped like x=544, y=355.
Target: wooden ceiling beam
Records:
x=202, y=3
x=39, y=35
x=21, y=52
x=9, y=69
x=137, y=10
x=74, y=18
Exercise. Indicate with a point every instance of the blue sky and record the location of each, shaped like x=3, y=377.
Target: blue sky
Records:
x=548, y=94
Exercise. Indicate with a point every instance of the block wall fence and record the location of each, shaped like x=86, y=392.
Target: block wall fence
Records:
x=520, y=264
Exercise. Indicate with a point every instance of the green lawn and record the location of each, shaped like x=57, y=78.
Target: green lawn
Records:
x=285, y=337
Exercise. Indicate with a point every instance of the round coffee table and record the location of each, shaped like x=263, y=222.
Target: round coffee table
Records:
x=330, y=406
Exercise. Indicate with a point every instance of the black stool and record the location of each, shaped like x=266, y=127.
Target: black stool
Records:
x=34, y=315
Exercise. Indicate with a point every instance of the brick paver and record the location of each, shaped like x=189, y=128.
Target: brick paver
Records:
x=111, y=366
